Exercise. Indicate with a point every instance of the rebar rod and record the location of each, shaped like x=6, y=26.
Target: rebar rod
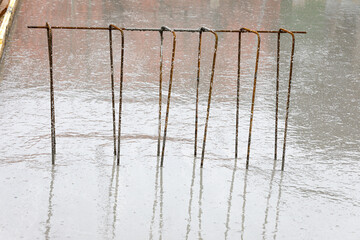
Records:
x=160, y=91
x=112, y=86
x=237, y=98
x=288, y=95
x=253, y=94
x=197, y=93
x=121, y=87
x=52, y=102
x=277, y=94
x=169, y=92
x=209, y=96
x=200, y=31
x=159, y=29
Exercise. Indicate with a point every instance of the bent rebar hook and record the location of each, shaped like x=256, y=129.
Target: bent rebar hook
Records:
x=288, y=94
x=121, y=88
x=160, y=91
x=197, y=92
x=204, y=29
x=253, y=93
x=164, y=28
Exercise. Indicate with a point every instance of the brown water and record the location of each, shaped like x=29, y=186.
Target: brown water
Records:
x=85, y=196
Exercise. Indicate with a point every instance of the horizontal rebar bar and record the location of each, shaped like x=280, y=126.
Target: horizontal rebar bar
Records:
x=159, y=29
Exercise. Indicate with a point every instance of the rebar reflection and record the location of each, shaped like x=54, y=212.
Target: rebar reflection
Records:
x=50, y=204
x=191, y=199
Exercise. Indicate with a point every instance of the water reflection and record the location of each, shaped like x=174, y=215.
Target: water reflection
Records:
x=268, y=200
x=191, y=199
x=115, y=200
x=155, y=199
x=200, y=203
x=159, y=193
x=278, y=205
x=50, y=204
x=244, y=205
x=161, y=222
x=229, y=199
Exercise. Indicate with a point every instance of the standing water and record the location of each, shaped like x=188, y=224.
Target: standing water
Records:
x=85, y=196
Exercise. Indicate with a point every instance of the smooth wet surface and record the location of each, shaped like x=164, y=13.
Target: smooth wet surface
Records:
x=85, y=196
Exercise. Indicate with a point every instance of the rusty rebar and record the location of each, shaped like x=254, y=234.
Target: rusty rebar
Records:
x=169, y=92
x=52, y=102
x=277, y=94
x=288, y=95
x=160, y=90
x=253, y=94
x=121, y=87
x=197, y=93
x=112, y=86
x=237, y=97
x=240, y=31
x=158, y=29
x=210, y=91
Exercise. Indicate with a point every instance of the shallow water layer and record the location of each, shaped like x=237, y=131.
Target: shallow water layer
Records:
x=85, y=196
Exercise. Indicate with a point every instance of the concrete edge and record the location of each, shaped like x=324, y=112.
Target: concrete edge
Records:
x=6, y=24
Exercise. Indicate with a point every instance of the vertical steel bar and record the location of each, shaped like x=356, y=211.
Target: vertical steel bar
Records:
x=238, y=97
x=121, y=88
x=160, y=90
x=112, y=86
x=169, y=92
x=197, y=93
x=288, y=95
x=253, y=94
x=52, y=104
x=277, y=93
x=210, y=91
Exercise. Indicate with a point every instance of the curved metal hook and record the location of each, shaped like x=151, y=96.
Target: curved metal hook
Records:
x=197, y=92
x=254, y=91
x=288, y=95
x=160, y=91
x=210, y=90
x=111, y=26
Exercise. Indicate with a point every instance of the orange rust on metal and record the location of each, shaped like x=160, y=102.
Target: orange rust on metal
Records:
x=159, y=29
x=160, y=91
x=200, y=31
x=121, y=88
x=197, y=92
x=52, y=102
x=169, y=92
x=277, y=94
x=112, y=87
x=210, y=90
x=237, y=98
x=253, y=94
x=288, y=95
